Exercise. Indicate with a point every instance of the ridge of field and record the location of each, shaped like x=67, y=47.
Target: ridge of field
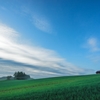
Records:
x=86, y=87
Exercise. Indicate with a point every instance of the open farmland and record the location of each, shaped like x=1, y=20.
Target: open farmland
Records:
x=59, y=88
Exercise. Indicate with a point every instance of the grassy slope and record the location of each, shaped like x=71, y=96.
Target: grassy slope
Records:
x=59, y=88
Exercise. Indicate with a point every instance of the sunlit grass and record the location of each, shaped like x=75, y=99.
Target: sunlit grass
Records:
x=59, y=88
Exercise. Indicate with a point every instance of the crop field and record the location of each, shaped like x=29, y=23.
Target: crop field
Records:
x=85, y=87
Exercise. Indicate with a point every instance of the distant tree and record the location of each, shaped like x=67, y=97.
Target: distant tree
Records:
x=98, y=72
x=9, y=77
x=20, y=75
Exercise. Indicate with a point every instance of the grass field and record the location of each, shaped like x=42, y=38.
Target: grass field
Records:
x=58, y=88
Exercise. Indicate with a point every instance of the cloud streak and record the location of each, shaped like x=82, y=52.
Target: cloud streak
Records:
x=38, y=20
x=42, y=24
x=37, y=61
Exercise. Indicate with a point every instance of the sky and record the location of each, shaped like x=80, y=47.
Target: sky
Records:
x=49, y=38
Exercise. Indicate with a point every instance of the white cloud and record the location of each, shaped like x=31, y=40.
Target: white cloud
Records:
x=42, y=24
x=92, y=44
x=36, y=61
x=94, y=47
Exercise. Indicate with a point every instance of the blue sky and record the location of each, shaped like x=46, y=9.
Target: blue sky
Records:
x=47, y=38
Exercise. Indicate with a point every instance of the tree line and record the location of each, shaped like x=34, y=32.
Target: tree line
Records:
x=19, y=76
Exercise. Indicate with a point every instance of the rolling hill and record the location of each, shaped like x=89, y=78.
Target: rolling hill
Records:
x=85, y=87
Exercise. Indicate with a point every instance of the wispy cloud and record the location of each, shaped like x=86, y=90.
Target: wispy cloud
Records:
x=39, y=21
x=42, y=24
x=92, y=44
x=37, y=61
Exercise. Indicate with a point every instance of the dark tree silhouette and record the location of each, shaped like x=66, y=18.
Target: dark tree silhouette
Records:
x=98, y=72
x=20, y=75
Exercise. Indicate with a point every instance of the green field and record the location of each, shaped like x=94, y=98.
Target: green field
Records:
x=59, y=88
